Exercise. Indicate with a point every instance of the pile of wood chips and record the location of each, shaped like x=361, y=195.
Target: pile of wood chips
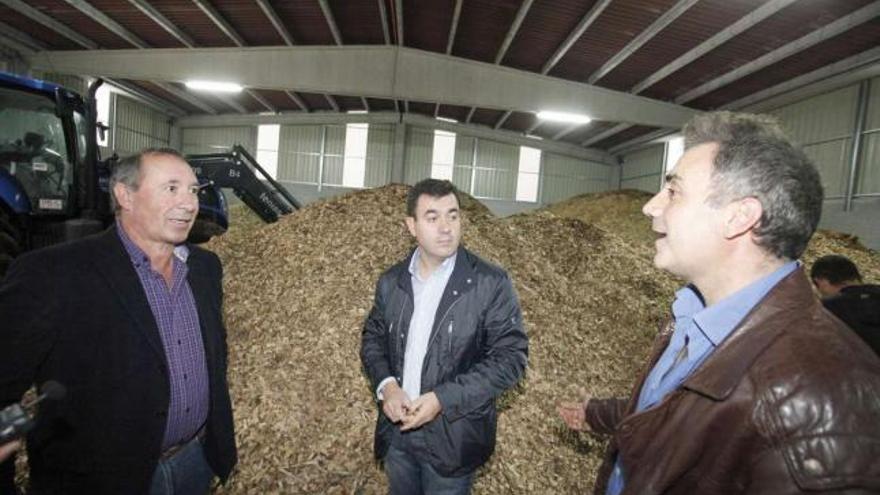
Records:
x=621, y=212
x=297, y=293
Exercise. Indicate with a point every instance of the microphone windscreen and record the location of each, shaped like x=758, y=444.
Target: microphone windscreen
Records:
x=53, y=390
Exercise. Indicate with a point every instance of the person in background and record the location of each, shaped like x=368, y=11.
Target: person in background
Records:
x=752, y=387
x=130, y=322
x=839, y=282
x=444, y=339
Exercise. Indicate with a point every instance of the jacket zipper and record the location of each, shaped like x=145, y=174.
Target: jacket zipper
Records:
x=449, y=337
x=443, y=318
x=396, y=338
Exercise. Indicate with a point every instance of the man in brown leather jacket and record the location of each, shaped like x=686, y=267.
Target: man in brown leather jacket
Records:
x=753, y=387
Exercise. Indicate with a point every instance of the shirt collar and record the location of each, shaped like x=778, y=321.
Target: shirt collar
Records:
x=138, y=256
x=718, y=321
x=445, y=266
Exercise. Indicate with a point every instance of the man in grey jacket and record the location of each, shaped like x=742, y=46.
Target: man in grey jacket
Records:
x=444, y=339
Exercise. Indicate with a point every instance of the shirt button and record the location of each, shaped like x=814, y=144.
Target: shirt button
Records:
x=187, y=409
x=401, y=335
x=178, y=342
x=455, y=293
x=185, y=376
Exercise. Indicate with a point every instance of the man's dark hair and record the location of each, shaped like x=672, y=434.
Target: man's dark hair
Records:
x=432, y=187
x=836, y=269
x=128, y=170
x=756, y=159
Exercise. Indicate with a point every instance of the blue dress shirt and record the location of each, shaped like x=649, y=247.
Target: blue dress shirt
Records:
x=701, y=329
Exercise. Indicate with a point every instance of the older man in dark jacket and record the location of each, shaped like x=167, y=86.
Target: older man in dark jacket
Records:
x=443, y=340
x=753, y=387
x=130, y=322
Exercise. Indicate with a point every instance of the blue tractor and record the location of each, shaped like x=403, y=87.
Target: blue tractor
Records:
x=54, y=185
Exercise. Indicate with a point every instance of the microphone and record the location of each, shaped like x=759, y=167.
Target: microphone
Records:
x=16, y=420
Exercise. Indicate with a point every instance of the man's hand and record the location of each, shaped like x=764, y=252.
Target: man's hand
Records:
x=395, y=403
x=7, y=449
x=574, y=414
x=423, y=410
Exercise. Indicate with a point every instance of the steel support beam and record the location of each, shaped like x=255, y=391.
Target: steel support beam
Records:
x=748, y=21
x=111, y=25
x=383, y=14
x=855, y=152
x=373, y=71
x=331, y=21
x=34, y=14
x=831, y=30
x=331, y=118
x=276, y=22
x=163, y=22
x=660, y=24
x=219, y=21
x=186, y=96
x=298, y=100
x=586, y=21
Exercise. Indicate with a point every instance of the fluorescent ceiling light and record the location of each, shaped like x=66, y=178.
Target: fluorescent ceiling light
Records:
x=447, y=119
x=572, y=118
x=219, y=87
x=357, y=111
x=533, y=136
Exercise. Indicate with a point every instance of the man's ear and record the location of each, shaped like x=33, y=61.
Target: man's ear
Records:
x=411, y=225
x=742, y=216
x=123, y=195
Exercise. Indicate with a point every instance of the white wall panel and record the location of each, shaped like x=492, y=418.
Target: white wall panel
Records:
x=137, y=126
x=648, y=183
x=417, y=157
x=299, y=153
x=820, y=118
x=496, y=170
x=643, y=169
x=218, y=139
x=868, y=179
x=872, y=122
x=380, y=146
x=334, y=155
x=464, y=160
x=564, y=177
x=832, y=160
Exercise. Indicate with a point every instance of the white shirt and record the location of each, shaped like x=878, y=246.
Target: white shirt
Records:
x=426, y=298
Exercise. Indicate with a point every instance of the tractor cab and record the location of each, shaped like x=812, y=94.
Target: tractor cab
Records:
x=37, y=160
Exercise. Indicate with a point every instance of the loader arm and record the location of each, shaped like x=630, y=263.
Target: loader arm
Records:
x=237, y=170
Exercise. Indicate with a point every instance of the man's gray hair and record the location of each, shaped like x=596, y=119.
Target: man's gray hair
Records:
x=128, y=171
x=756, y=159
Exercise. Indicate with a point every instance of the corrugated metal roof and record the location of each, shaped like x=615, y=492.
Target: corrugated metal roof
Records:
x=480, y=32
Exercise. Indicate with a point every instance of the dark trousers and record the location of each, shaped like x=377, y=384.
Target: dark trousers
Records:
x=409, y=474
x=185, y=473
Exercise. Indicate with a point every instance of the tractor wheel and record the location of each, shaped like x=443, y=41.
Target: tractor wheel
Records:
x=10, y=247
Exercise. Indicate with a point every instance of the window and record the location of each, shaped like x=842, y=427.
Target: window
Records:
x=102, y=103
x=529, y=173
x=674, y=150
x=267, y=148
x=354, y=167
x=443, y=159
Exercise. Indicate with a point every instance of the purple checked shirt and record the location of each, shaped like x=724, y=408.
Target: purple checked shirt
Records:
x=178, y=320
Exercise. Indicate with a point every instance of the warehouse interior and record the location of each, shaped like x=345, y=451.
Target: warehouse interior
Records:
x=480, y=70
x=360, y=96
